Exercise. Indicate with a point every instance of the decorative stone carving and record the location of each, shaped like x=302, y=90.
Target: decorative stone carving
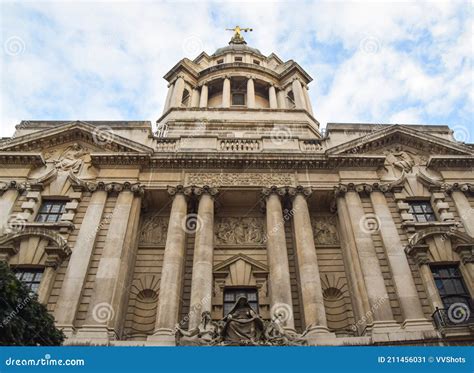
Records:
x=71, y=158
x=154, y=230
x=325, y=230
x=238, y=179
x=240, y=231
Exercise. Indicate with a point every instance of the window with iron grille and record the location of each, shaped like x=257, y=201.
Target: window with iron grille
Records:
x=30, y=277
x=231, y=295
x=422, y=211
x=451, y=286
x=238, y=99
x=51, y=211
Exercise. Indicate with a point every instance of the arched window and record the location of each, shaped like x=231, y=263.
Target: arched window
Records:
x=290, y=100
x=185, y=99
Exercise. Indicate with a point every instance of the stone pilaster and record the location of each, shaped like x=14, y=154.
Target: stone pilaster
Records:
x=307, y=100
x=379, y=301
x=299, y=95
x=9, y=192
x=250, y=93
x=202, y=277
x=279, y=277
x=178, y=91
x=195, y=97
x=171, y=282
x=281, y=98
x=311, y=289
x=169, y=96
x=466, y=212
x=408, y=297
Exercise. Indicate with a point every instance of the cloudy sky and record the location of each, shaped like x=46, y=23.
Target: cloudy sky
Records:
x=397, y=62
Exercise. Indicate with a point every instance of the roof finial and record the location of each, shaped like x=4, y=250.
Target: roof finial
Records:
x=237, y=38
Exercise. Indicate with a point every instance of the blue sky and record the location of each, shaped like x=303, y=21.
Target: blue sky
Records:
x=397, y=62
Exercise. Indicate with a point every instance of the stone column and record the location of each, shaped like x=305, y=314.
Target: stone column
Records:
x=76, y=273
x=298, y=93
x=281, y=99
x=7, y=200
x=226, y=92
x=374, y=282
x=169, y=95
x=202, y=278
x=173, y=268
x=279, y=277
x=250, y=93
x=195, y=97
x=110, y=287
x=410, y=304
x=272, y=97
x=352, y=263
x=307, y=100
x=46, y=284
x=203, y=98
x=178, y=92
x=311, y=289
x=466, y=212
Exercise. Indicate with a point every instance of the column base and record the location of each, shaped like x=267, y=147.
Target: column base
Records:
x=93, y=335
x=320, y=336
x=387, y=326
x=67, y=329
x=163, y=337
x=417, y=325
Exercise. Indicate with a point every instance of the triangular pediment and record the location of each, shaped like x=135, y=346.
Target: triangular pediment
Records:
x=97, y=138
x=256, y=265
x=401, y=137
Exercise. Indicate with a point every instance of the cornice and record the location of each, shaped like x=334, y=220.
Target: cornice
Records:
x=21, y=158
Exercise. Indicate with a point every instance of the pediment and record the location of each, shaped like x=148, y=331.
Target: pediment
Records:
x=254, y=264
x=96, y=138
x=402, y=138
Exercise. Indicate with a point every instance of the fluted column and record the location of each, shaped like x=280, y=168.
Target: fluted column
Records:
x=272, y=97
x=203, y=98
x=311, y=289
x=171, y=282
x=169, y=96
x=76, y=273
x=202, y=278
x=281, y=98
x=401, y=273
x=195, y=97
x=375, y=284
x=250, y=93
x=466, y=212
x=352, y=262
x=178, y=91
x=106, y=309
x=307, y=100
x=226, y=93
x=279, y=277
x=298, y=93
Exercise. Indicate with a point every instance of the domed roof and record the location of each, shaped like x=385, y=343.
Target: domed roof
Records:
x=237, y=48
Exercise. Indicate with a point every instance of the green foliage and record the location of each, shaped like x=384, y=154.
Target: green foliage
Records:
x=23, y=320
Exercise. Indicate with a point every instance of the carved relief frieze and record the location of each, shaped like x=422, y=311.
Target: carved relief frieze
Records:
x=240, y=231
x=154, y=230
x=240, y=179
x=325, y=230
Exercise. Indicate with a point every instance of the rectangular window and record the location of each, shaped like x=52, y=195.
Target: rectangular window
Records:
x=30, y=277
x=450, y=284
x=238, y=99
x=220, y=61
x=231, y=295
x=256, y=62
x=422, y=211
x=51, y=211
x=238, y=59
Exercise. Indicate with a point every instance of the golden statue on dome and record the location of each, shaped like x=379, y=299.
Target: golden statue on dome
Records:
x=238, y=38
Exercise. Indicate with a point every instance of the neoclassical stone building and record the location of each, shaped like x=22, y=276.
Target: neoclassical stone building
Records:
x=357, y=235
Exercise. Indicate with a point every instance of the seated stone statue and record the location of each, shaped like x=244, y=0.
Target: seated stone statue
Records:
x=242, y=325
